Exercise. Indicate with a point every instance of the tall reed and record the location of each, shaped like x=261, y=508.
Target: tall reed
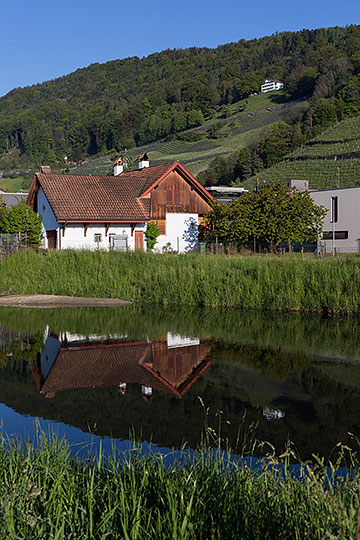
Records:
x=45, y=493
x=278, y=283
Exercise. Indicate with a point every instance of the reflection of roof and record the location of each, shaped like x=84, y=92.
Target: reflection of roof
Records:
x=102, y=365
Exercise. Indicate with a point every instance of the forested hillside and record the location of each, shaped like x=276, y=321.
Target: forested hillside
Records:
x=131, y=102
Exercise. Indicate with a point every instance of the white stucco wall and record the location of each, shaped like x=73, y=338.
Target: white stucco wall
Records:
x=73, y=236
x=181, y=233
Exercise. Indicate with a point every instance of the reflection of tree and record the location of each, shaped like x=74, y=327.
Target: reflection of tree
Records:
x=22, y=347
x=277, y=331
x=273, y=363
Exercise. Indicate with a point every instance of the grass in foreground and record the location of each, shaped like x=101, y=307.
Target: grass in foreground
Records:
x=277, y=283
x=45, y=493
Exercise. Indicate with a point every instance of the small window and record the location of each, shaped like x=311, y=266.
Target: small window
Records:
x=339, y=235
x=118, y=242
x=98, y=237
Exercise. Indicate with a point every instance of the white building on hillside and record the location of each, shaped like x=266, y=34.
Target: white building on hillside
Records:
x=269, y=85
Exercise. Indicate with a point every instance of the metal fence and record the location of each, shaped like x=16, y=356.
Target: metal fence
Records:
x=253, y=247
x=10, y=243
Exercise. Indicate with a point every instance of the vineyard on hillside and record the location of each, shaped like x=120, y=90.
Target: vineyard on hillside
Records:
x=330, y=160
x=217, y=139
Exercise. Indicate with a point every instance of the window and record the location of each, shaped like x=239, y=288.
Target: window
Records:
x=98, y=237
x=118, y=241
x=334, y=210
x=339, y=235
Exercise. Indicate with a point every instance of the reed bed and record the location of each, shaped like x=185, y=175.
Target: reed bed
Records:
x=47, y=493
x=330, y=285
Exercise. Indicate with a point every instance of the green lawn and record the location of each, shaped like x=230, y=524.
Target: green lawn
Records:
x=12, y=185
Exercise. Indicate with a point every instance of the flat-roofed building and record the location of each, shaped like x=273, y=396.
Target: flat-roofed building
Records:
x=342, y=221
x=226, y=194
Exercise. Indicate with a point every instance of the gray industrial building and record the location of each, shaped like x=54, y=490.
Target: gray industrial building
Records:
x=342, y=221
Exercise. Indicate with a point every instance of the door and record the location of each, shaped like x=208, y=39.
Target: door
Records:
x=52, y=239
x=139, y=240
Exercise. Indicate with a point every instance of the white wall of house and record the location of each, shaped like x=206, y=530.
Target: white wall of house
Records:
x=348, y=224
x=72, y=236
x=181, y=233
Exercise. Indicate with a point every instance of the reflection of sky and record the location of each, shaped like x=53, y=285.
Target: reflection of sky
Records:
x=24, y=428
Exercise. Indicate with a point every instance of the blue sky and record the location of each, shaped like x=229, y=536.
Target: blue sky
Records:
x=42, y=40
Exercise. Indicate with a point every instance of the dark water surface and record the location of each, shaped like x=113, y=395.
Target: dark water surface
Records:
x=98, y=374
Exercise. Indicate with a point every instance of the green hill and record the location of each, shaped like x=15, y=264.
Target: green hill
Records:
x=197, y=147
x=328, y=161
x=132, y=102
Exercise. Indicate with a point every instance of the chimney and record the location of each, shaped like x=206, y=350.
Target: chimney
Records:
x=118, y=166
x=143, y=161
x=45, y=169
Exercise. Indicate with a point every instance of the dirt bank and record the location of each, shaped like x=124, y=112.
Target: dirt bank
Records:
x=51, y=300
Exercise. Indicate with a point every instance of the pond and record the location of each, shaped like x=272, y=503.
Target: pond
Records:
x=104, y=375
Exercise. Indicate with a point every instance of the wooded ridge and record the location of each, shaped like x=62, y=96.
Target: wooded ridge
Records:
x=130, y=102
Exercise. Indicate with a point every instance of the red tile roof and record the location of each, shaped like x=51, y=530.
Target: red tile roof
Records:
x=104, y=198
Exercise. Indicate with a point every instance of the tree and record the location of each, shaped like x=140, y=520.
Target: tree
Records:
x=151, y=234
x=3, y=209
x=270, y=215
x=23, y=220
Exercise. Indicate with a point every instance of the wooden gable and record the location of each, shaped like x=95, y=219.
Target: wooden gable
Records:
x=176, y=195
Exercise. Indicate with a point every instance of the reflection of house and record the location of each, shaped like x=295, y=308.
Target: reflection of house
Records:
x=272, y=414
x=106, y=212
x=153, y=365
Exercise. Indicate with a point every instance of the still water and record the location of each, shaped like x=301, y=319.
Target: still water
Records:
x=100, y=374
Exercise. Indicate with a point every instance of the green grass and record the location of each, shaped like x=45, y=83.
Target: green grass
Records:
x=12, y=185
x=45, y=493
x=272, y=283
x=252, y=104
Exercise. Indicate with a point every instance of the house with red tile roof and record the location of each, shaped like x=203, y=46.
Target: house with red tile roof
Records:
x=112, y=212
